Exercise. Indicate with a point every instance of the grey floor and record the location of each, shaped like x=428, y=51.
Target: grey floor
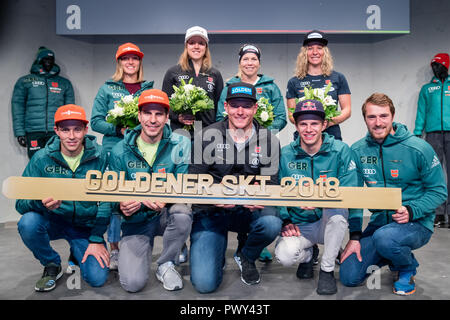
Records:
x=19, y=272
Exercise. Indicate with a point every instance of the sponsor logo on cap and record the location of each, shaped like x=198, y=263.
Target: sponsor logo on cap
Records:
x=151, y=97
x=245, y=90
x=308, y=105
x=129, y=49
x=315, y=35
x=70, y=112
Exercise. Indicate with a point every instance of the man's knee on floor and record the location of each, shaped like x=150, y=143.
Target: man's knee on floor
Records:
x=133, y=282
x=204, y=284
x=350, y=276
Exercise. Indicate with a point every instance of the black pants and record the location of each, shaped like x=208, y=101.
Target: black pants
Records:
x=37, y=141
x=440, y=141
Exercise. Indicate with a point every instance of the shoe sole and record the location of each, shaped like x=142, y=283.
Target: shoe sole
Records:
x=164, y=286
x=326, y=293
x=238, y=262
x=52, y=287
x=403, y=293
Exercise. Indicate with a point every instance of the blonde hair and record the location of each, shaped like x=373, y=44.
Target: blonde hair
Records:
x=301, y=67
x=184, y=60
x=118, y=75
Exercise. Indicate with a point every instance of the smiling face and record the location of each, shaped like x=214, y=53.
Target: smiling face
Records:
x=240, y=113
x=315, y=54
x=71, y=134
x=310, y=132
x=249, y=64
x=130, y=64
x=152, y=118
x=378, y=121
x=196, y=48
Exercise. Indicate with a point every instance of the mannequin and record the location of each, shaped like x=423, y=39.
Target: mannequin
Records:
x=35, y=98
x=47, y=63
x=433, y=118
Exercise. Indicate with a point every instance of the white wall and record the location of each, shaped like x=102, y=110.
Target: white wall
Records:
x=397, y=66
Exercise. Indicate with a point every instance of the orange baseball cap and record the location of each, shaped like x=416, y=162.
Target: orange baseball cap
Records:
x=129, y=48
x=154, y=96
x=70, y=112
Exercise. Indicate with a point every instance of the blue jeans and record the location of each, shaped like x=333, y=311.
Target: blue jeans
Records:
x=391, y=244
x=209, y=239
x=114, y=228
x=37, y=230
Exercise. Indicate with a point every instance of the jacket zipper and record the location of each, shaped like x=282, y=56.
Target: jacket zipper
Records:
x=442, y=107
x=46, y=107
x=312, y=176
x=384, y=177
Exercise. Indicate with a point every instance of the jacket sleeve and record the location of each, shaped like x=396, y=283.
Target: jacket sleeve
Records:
x=349, y=176
x=33, y=169
x=421, y=112
x=18, y=108
x=270, y=166
x=221, y=105
x=279, y=110
x=434, y=186
x=167, y=87
x=99, y=112
x=218, y=90
x=69, y=96
x=183, y=155
x=103, y=211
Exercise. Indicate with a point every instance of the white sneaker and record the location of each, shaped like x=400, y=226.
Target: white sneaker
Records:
x=114, y=260
x=169, y=277
x=183, y=257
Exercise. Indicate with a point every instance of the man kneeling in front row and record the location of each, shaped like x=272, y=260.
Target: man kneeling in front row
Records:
x=320, y=156
x=69, y=154
x=398, y=160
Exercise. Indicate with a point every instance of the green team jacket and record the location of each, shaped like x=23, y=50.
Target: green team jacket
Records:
x=401, y=161
x=36, y=97
x=334, y=159
x=433, y=107
x=49, y=163
x=172, y=156
x=109, y=92
x=265, y=88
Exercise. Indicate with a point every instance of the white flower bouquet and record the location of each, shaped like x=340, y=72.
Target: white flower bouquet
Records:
x=321, y=94
x=264, y=114
x=125, y=112
x=189, y=99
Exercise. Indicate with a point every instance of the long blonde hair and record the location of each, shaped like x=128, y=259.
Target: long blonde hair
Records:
x=184, y=60
x=301, y=67
x=118, y=75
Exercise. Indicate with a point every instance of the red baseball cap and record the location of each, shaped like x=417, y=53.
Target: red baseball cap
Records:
x=70, y=112
x=442, y=58
x=154, y=96
x=129, y=48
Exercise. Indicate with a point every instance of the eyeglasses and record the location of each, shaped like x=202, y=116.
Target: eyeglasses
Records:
x=242, y=104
